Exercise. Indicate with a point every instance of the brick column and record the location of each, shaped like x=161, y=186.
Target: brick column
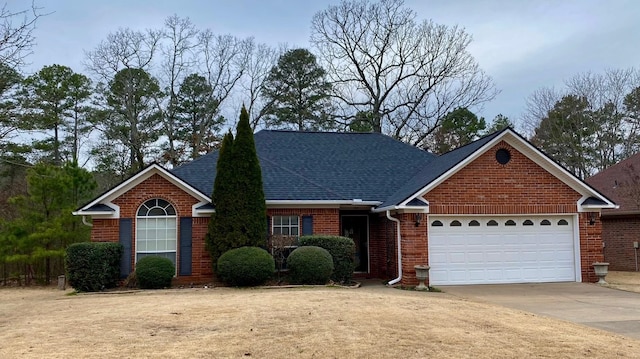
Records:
x=414, y=246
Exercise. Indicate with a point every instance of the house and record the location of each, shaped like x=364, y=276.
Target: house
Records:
x=621, y=226
x=495, y=211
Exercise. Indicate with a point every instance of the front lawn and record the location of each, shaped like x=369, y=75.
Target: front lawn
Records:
x=319, y=322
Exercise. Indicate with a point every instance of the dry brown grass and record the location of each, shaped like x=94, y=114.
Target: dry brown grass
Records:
x=628, y=281
x=369, y=322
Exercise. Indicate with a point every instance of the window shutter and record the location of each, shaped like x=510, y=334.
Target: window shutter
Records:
x=185, y=245
x=268, y=226
x=307, y=225
x=125, y=233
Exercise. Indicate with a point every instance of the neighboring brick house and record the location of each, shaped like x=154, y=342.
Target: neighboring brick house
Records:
x=494, y=211
x=621, y=226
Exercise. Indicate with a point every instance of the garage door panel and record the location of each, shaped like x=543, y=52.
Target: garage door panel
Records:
x=502, y=254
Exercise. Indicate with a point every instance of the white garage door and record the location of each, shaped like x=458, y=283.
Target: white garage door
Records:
x=501, y=249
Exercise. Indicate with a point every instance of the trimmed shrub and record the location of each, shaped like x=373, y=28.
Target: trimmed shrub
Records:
x=154, y=272
x=342, y=249
x=310, y=265
x=93, y=266
x=245, y=266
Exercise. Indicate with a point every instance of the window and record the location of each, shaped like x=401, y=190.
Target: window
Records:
x=436, y=223
x=492, y=223
x=527, y=222
x=563, y=222
x=285, y=230
x=510, y=223
x=474, y=223
x=286, y=225
x=156, y=230
x=455, y=223
x=545, y=222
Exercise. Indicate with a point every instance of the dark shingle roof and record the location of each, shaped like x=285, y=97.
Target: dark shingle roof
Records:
x=620, y=183
x=322, y=166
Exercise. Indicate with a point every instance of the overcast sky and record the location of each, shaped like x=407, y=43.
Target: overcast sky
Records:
x=522, y=45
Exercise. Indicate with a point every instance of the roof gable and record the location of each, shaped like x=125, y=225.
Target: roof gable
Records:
x=450, y=163
x=100, y=205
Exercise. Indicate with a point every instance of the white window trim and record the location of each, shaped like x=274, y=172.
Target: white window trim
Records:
x=174, y=217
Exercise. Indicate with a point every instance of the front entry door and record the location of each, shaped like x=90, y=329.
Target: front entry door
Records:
x=356, y=227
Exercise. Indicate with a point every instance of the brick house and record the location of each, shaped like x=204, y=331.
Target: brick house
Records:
x=621, y=226
x=495, y=211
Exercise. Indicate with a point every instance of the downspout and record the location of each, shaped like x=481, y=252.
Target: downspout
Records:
x=84, y=221
x=392, y=282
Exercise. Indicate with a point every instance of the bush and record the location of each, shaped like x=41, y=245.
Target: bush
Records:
x=154, y=272
x=342, y=249
x=310, y=265
x=245, y=266
x=93, y=266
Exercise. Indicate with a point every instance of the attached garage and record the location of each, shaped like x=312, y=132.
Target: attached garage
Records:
x=502, y=249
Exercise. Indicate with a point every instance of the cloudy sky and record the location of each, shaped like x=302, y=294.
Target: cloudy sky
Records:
x=523, y=45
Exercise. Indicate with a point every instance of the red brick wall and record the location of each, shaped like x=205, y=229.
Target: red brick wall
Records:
x=155, y=187
x=325, y=220
x=158, y=187
x=415, y=250
x=590, y=246
x=618, y=234
x=381, y=247
x=486, y=187
x=105, y=230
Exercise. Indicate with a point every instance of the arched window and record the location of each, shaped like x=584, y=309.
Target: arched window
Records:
x=156, y=230
x=436, y=223
x=545, y=222
x=510, y=223
x=455, y=223
x=492, y=223
x=474, y=223
x=527, y=222
x=563, y=222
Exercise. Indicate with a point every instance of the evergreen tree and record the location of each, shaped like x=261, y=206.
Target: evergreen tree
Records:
x=37, y=238
x=238, y=196
x=566, y=134
x=222, y=199
x=458, y=128
x=500, y=122
x=298, y=93
x=252, y=211
x=54, y=100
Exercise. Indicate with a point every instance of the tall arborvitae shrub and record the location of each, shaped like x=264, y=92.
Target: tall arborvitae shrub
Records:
x=238, y=197
x=252, y=210
x=222, y=199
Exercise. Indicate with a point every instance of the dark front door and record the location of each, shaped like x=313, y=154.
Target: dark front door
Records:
x=356, y=227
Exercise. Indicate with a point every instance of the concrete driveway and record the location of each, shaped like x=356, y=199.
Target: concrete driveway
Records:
x=588, y=304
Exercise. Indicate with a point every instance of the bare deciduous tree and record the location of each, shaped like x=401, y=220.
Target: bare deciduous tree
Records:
x=537, y=107
x=261, y=59
x=124, y=49
x=178, y=60
x=16, y=34
x=406, y=73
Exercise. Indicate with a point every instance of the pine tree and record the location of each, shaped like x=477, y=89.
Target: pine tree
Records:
x=238, y=196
